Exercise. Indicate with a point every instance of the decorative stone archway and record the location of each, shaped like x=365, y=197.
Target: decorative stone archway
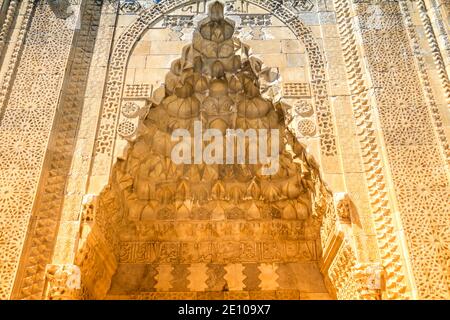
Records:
x=110, y=224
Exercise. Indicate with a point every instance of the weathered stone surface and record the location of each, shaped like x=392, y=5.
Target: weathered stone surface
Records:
x=88, y=101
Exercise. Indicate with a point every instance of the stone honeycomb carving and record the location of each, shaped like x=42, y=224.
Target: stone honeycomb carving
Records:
x=107, y=134
x=150, y=201
x=220, y=64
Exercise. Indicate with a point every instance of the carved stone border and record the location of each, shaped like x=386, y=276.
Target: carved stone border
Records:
x=425, y=79
x=13, y=5
x=21, y=174
x=388, y=243
x=48, y=207
x=12, y=63
x=433, y=43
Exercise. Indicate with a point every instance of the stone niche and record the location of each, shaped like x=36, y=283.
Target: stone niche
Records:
x=161, y=230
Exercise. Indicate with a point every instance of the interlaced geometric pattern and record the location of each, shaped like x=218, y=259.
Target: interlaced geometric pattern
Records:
x=24, y=132
x=137, y=90
x=418, y=168
x=41, y=234
x=296, y=89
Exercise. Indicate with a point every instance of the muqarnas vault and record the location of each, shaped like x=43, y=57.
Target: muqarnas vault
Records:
x=92, y=205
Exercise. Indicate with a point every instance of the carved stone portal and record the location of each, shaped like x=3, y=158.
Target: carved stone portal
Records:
x=196, y=230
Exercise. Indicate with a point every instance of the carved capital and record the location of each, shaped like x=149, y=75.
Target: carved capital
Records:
x=344, y=207
x=63, y=282
x=370, y=278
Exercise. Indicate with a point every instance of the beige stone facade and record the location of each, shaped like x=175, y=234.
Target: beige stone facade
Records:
x=93, y=207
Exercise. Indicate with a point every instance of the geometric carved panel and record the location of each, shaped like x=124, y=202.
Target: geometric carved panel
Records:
x=419, y=170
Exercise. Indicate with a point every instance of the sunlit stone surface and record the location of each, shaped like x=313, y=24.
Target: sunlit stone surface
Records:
x=93, y=205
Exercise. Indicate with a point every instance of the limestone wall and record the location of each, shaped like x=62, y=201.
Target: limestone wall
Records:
x=369, y=86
